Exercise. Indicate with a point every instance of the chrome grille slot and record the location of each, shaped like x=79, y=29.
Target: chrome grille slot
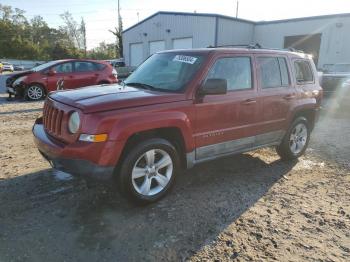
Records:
x=52, y=119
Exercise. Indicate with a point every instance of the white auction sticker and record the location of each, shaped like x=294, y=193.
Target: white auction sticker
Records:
x=185, y=59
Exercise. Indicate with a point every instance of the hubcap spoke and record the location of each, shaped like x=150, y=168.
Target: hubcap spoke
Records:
x=138, y=172
x=150, y=157
x=162, y=180
x=165, y=161
x=146, y=186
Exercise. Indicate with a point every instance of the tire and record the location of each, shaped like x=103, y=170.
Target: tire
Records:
x=139, y=178
x=296, y=140
x=34, y=92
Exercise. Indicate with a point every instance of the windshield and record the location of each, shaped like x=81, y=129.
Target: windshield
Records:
x=44, y=66
x=166, y=72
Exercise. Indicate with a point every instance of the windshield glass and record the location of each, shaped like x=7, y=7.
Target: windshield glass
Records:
x=166, y=72
x=342, y=68
x=44, y=66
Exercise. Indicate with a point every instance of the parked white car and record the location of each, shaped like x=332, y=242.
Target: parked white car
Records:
x=7, y=67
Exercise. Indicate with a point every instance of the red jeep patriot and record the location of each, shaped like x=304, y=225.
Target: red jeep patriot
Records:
x=180, y=108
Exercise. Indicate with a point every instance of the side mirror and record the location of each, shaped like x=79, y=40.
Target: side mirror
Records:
x=214, y=86
x=51, y=72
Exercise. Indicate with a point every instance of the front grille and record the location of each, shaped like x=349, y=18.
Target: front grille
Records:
x=52, y=119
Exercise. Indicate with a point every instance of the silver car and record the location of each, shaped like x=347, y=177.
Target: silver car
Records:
x=7, y=67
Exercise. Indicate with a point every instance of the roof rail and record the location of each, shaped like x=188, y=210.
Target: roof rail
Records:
x=249, y=46
x=258, y=46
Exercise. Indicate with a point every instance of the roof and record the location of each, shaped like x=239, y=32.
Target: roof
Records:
x=189, y=14
x=239, y=19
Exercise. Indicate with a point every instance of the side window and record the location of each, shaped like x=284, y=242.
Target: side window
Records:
x=236, y=70
x=273, y=72
x=63, y=68
x=303, y=72
x=84, y=67
x=284, y=71
x=99, y=66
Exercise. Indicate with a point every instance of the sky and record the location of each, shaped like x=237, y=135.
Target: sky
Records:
x=101, y=15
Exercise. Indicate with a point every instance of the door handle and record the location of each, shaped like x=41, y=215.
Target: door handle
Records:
x=249, y=102
x=289, y=97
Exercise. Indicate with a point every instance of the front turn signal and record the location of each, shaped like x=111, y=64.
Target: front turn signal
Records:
x=93, y=138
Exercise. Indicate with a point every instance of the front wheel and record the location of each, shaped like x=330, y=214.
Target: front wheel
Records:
x=34, y=92
x=148, y=171
x=295, y=140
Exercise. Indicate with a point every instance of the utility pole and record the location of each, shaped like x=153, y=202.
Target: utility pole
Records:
x=119, y=35
x=237, y=9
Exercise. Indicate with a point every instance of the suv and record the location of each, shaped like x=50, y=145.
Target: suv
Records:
x=36, y=83
x=178, y=109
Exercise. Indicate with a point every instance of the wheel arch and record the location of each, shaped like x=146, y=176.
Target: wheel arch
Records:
x=310, y=113
x=172, y=134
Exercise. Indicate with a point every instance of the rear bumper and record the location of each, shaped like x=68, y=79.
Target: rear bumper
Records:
x=52, y=151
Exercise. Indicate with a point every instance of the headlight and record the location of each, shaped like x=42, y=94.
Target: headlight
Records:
x=114, y=72
x=74, y=122
x=19, y=80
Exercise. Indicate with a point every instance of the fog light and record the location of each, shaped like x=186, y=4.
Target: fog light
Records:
x=93, y=138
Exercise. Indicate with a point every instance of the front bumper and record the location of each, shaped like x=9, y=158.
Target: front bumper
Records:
x=52, y=151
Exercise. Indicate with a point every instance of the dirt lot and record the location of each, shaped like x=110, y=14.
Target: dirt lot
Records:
x=247, y=207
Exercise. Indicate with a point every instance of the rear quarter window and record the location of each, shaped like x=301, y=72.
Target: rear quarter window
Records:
x=99, y=66
x=303, y=72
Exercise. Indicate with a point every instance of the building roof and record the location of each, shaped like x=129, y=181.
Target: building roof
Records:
x=239, y=19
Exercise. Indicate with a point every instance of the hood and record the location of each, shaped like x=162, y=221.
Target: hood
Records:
x=110, y=97
x=13, y=77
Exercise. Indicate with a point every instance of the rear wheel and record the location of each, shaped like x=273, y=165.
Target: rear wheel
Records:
x=148, y=171
x=34, y=92
x=295, y=140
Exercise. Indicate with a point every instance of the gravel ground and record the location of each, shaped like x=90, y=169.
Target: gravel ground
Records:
x=247, y=207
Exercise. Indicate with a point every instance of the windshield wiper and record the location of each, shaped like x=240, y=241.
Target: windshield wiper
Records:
x=141, y=85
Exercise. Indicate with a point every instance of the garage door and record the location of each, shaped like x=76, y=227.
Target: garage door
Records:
x=136, y=54
x=182, y=43
x=156, y=46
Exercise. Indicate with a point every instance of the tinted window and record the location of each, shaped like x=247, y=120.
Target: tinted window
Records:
x=64, y=68
x=84, y=67
x=270, y=75
x=303, y=71
x=236, y=70
x=99, y=66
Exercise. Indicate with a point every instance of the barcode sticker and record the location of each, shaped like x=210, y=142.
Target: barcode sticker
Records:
x=185, y=59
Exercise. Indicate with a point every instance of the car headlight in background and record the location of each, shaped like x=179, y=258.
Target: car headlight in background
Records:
x=74, y=122
x=115, y=73
x=19, y=80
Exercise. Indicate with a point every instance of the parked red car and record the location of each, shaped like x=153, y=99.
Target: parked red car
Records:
x=36, y=83
x=180, y=108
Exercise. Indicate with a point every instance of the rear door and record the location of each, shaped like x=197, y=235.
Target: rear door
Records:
x=226, y=123
x=277, y=93
x=85, y=74
x=63, y=71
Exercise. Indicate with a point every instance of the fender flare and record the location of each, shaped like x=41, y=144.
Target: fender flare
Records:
x=127, y=127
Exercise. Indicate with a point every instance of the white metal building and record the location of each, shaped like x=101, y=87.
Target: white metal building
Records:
x=326, y=37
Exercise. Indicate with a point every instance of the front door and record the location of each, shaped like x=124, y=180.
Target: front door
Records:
x=226, y=123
